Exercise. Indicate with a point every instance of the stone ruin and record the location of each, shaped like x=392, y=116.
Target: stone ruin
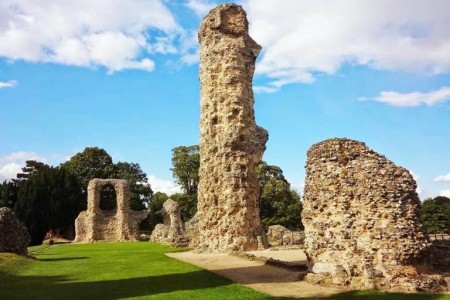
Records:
x=172, y=231
x=231, y=144
x=117, y=224
x=361, y=218
x=278, y=235
x=14, y=236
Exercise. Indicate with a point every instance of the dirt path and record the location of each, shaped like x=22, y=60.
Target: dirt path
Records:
x=267, y=279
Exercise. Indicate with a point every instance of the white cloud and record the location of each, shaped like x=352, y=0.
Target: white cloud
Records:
x=8, y=84
x=12, y=163
x=303, y=38
x=443, y=178
x=264, y=89
x=412, y=99
x=113, y=34
x=200, y=7
x=445, y=193
x=164, y=186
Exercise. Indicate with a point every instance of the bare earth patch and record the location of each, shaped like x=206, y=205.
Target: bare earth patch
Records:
x=267, y=279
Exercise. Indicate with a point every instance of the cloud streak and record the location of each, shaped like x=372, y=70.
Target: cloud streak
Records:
x=8, y=84
x=443, y=178
x=412, y=99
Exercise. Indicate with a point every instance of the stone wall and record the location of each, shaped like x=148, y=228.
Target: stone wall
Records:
x=231, y=144
x=172, y=231
x=361, y=220
x=14, y=236
x=279, y=235
x=119, y=224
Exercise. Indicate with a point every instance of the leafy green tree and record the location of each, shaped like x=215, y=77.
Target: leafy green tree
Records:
x=434, y=217
x=49, y=199
x=141, y=191
x=186, y=163
x=92, y=162
x=278, y=203
x=188, y=204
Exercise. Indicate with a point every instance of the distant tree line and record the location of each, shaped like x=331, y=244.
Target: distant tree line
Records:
x=49, y=198
x=435, y=214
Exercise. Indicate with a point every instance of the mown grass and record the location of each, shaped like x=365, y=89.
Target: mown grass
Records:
x=106, y=271
x=111, y=271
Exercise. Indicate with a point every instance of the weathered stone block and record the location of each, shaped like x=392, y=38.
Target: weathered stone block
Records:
x=361, y=218
x=14, y=236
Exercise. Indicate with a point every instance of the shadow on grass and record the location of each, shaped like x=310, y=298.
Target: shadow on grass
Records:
x=61, y=287
x=63, y=258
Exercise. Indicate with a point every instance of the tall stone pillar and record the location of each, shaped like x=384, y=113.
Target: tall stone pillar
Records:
x=231, y=144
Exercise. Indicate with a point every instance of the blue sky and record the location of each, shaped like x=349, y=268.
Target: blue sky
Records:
x=123, y=76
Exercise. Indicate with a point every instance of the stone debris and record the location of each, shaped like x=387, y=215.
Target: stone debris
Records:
x=279, y=235
x=191, y=230
x=361, y=217
x=119, y=224
x=14, y=236
x=172, y=231
x=231, y=144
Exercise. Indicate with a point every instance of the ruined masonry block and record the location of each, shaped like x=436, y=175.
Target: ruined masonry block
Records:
x=119, y=224
x=14, y=236
x=172, y=231
x=231, y=144
x=361, y=217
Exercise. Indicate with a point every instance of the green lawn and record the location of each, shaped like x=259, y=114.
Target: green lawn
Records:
x=111, y=271
x=104, y=271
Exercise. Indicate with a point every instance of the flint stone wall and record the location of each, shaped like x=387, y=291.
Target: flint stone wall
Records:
x=172, y=231
x=279, y=235
x=231, y=144
x=361, y=217
x=119, y=224
x=14, y=236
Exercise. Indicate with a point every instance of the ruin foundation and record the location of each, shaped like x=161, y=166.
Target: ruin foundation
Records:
x=361, y=217
x=231, y=144
x=119, y=224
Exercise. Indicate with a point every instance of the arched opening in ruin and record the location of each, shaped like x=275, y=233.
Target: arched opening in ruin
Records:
x=108, y=197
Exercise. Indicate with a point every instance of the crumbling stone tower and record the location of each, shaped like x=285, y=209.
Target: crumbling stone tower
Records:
x=231, y=144
x=361, y=218
x=117, y=224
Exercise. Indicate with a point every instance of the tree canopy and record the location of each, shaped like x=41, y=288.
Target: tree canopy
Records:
x=186, y=163
x=94, y=162
x=435, y=214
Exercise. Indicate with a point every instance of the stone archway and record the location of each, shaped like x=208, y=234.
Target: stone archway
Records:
x=108, y=216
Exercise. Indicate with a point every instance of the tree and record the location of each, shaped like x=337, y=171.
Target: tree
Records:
x=278, y=203
x=8, y=193
x=186, y=163
x=31, y=168
x=49, y=199
x=155, y=206
x=141, y=191
x=434, y=217
x=92, y=162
